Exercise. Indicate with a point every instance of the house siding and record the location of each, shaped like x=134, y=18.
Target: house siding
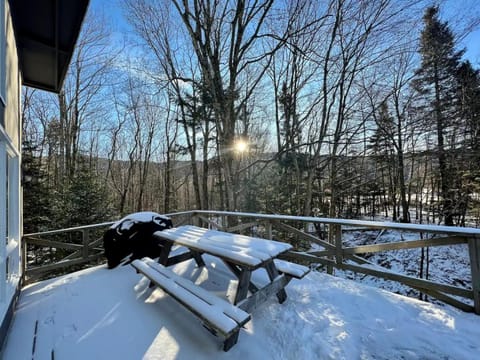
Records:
x=13, y=87
x=10, y=136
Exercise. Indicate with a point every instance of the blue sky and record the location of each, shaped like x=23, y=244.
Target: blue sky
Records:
x=472, y=42
x=456, y=12
x=459, y=13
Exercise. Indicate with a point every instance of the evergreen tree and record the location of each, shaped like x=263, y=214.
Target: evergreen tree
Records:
x=383, y=139
x=436, y=81
x=384, y=147
x=37, y=210
x=293, y=163
x=85, y=200
x=468, y=92
x=198, y=123
x=291, y=129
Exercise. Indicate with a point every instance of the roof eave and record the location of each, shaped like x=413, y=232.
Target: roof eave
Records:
x=46, y=32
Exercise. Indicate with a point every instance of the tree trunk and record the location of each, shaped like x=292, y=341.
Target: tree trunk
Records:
x=442, y=161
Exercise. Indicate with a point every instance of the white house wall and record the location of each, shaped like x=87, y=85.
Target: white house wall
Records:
x=10, y=149
x=13, y=87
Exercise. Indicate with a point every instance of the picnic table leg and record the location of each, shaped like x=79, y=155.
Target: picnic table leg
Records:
x=272, y=274
x=198, y=258
x=229, y=342
x=163, y=258
x=237, y=271
x=165, y=253
x=243, y=284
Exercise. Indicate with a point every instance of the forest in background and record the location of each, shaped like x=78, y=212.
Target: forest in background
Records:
x=335, y=108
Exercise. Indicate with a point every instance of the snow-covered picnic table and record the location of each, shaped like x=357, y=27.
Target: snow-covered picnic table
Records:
x=242, y=255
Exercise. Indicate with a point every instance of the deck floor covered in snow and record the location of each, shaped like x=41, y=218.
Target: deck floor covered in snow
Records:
x=112, y=314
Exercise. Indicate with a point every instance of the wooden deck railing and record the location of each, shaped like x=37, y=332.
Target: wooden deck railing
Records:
x=62, y=249
x=51, y=253
x=328, y=235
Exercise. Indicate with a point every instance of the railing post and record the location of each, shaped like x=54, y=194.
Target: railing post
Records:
x=268, y=229
x=226, y=222
x=474, y=252
x=330, y=241
x=335, y=238
x=194, y=219
x=85, y=242
x=337, y=235
x=24, y=259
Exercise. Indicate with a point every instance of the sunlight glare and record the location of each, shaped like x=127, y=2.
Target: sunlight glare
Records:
x=241, y=146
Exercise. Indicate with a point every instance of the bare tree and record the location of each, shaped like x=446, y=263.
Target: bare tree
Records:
x=225, y=37
x=80, y=101
x=293, y=76
x=133, y=139
x=177, y=73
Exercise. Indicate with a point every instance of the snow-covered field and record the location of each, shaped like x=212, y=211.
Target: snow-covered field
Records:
x=111, y=314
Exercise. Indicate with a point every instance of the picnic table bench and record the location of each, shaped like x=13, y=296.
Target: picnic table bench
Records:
x=241, y=254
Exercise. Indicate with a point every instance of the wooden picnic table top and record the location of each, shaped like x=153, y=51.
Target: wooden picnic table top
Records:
x=242, y=250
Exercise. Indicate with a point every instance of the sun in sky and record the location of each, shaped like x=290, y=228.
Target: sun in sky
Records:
x=241, y=145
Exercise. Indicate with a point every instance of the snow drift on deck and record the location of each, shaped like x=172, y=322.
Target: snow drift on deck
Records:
x=111, y=314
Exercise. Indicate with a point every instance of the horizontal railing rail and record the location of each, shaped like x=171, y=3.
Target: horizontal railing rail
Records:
x=331, y=252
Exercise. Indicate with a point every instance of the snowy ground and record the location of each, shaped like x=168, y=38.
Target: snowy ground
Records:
x=447, y=264
x=111, y=314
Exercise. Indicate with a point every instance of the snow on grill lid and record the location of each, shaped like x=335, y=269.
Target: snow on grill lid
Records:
x=140, y=217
